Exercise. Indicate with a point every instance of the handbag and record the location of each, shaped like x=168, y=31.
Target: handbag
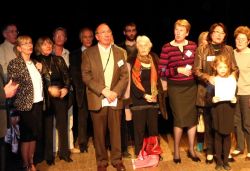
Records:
x=152, y=145
x=148, y=161
x=200, y=125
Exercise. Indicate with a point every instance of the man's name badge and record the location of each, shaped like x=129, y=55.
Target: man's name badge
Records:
x=120, y=63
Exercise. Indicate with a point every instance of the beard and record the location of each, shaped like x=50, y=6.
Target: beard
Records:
x=131, y=38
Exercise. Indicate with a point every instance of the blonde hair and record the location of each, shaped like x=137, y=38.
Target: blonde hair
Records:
x=21, y=40
x=202, y=37
x=184, y=23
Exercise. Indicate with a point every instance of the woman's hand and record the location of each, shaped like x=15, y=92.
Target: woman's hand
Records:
x=150, y=98
x=10, y=89
x=64, y=92
x=184, y=71
x=54, y=91
x=215, y=99
x=211, y=80
x=39, y=66
x=234, y=100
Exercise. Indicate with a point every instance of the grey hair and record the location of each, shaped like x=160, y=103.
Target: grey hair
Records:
x=143, y=38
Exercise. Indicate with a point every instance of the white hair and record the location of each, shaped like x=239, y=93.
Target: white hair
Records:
x=144, y=39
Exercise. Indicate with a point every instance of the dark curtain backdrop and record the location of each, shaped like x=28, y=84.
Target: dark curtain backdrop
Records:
x=154, y=19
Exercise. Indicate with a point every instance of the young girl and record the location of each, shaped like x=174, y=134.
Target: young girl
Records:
x=223, y=109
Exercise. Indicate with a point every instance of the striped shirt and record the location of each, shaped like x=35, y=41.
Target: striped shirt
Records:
x=171, y=58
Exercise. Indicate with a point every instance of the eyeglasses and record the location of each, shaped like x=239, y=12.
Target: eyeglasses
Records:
x=27, y=43
x=104, y=32
x=241, y=39
x=218, y=32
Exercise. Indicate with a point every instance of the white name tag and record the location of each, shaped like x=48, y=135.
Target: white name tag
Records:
x=188, y=53
x=210, y=58
x=120, y=63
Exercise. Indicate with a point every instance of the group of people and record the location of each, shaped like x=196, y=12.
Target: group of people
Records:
x=123, y=89
x=194, y=75
x=42, y=96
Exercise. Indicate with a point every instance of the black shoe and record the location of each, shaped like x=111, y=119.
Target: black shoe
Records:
x=194, y=158
x=67, y=159
x=50, y=162
x=231, y=159
x=120, y=167
x=126, y=154
x=209, y=161
x=177, y=160
x=83, y=148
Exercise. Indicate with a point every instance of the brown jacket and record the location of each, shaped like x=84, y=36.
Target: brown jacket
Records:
x=93, y=77
x=203, y=70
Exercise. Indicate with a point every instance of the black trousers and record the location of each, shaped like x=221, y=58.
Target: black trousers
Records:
x=209, y=131
x=83, y=126
x=81, y=120
x=144, y=119
x=222, y=147
x=2, y=155
x=127, y=131
x=59, y=110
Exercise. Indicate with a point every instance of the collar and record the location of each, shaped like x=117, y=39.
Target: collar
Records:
x=102, y=48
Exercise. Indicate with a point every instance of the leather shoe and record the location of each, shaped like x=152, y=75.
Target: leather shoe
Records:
x=194, y=158
x=209, y=159
x=177, y=160
x=231, y=159
x=120, y=167
x=67, y=159
x=83, y=148
x=101, y=168
x=50, y=162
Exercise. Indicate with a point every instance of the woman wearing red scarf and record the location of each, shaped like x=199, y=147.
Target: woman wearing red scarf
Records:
x=145, y=91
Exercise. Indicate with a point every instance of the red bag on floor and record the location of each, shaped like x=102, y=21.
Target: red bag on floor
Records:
x=152, y=145
x=149, y=154
x=147, y=161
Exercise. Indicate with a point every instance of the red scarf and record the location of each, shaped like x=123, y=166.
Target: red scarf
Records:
x=136, y=73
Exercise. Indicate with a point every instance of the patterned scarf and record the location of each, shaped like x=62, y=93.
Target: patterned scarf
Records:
x=136, y=73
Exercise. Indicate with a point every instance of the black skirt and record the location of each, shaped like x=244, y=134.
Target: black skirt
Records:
x=223, y=117
x=182, y=99
x=29, y=123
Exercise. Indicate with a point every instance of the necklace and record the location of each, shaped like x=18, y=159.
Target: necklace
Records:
x=29, y=62
x=50, y=64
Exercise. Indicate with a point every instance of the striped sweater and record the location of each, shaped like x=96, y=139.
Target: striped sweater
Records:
x=171, y=58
